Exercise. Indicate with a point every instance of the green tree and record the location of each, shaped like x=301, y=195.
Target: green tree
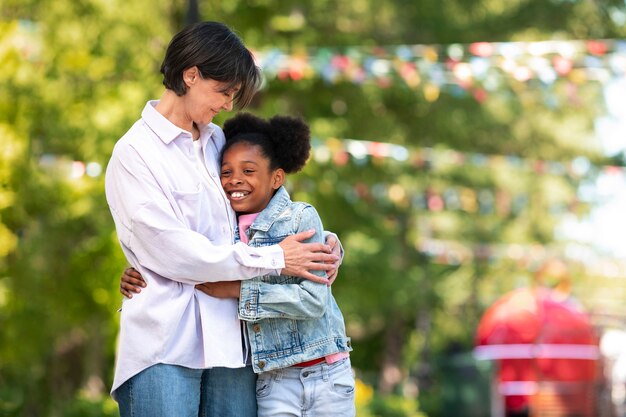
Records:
x=75, y=75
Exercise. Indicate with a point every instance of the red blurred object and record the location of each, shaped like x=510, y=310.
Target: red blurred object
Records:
x=483, y=49
x=538, y=335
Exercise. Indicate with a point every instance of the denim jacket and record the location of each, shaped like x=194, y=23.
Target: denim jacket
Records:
x=289, y=319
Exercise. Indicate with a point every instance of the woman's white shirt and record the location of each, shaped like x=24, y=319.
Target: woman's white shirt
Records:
x=175, y=226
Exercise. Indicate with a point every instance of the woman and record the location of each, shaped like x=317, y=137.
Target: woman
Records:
x=179, y=350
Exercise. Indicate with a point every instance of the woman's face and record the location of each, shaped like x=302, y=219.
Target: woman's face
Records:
x=205, y=98
x=247, y=178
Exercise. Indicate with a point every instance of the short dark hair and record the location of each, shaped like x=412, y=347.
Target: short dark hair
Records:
x=285, y=141
x=219, y=55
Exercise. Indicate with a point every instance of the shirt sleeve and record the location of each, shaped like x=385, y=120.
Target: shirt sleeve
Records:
x=300, y=300
x=147, y=226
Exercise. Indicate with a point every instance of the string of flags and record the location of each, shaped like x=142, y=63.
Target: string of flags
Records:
x=479, y=69
x=360, y=152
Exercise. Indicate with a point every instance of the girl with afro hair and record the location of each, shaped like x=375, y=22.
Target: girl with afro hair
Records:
x=296, y=333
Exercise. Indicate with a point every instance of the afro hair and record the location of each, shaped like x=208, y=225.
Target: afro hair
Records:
x=285, y=140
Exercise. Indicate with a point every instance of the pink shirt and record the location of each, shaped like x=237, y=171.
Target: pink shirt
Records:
x=245, y=220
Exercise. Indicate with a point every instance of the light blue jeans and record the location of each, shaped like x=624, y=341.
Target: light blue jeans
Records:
x=175, y=391
x=316, y=391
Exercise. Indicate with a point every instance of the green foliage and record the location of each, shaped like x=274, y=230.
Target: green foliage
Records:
x=74, y=76
x=395, y=406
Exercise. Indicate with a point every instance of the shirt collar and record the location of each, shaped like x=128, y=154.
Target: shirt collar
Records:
x=166, y=130
x=206, y=132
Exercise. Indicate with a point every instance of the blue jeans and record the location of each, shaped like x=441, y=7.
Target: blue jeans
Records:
x=175, y=391
x=317, y=391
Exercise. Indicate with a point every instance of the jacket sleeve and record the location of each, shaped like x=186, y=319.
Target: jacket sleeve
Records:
x=302, y=300
x=148, y=228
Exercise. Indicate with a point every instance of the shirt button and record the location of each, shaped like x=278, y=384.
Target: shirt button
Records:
x=247, y=307
x=261, y=364
x=256, y=328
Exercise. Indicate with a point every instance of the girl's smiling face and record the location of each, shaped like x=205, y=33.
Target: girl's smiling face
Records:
x=247, y=178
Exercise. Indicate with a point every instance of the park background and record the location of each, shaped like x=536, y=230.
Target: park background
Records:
x=457, y=145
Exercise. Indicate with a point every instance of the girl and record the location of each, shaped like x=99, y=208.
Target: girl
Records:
x=295, y=329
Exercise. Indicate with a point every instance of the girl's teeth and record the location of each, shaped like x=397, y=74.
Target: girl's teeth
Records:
x=237, y=194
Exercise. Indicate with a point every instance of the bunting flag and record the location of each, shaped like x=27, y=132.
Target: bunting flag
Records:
x=342, y=151
x=479, y=69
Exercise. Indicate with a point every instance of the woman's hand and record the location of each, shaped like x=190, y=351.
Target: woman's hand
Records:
x=131, y=282
x=222, y=289
x=301, y=258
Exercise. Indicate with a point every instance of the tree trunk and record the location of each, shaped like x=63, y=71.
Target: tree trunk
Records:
x=391, y=372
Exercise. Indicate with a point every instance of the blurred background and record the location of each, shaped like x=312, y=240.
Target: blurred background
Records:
x=469, y=154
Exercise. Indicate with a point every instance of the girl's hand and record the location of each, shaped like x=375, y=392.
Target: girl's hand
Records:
x=222, y=289
x=131, y=282
x=335, y=246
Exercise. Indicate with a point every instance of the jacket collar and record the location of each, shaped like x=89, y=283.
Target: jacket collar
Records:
x=276, y=206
